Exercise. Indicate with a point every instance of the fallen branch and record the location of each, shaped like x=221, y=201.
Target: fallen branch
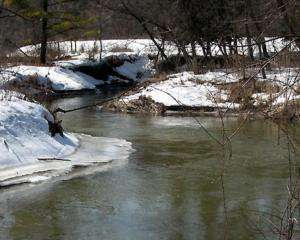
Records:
x=54, y=159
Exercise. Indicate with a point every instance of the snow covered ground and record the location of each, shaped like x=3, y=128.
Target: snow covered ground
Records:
x=62, y=77
x=56, y=78
x=139, y=69
x=30, y=154
x=189, y=89
x=183, y=89
x=146, y=46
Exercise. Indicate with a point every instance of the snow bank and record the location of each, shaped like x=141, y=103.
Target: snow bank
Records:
x=24, y=134
x=28, y=151
x=183, y=89
x=135, y=67
x=138, y=69
x=204, y=90
x=63, y=78
x=57, y=78
x=284, y=77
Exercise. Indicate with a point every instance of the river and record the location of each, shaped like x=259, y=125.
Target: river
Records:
x=169, y=189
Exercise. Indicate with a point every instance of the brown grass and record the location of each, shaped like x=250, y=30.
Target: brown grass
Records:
x=298, y=90
x=289, y=112
x=30, y=87
x=160, y=77
x=120, y=49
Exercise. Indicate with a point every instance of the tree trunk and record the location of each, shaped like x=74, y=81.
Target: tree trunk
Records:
x=208, y=49
x=235, y=44
x=264, y=48
x=58, y=49
x=43, y=54
x=194, y=60
x=249, y=43
x=261, y=42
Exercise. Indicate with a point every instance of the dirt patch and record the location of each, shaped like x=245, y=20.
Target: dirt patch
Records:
x=141, y=105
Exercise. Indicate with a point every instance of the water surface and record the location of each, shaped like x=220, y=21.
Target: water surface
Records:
x=170, y=188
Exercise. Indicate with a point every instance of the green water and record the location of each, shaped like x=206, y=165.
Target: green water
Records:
x=170, y=188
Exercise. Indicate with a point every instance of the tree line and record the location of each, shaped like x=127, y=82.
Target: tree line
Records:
x=184, y=23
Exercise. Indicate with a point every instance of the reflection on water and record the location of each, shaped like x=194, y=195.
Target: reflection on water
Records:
x=170, y=188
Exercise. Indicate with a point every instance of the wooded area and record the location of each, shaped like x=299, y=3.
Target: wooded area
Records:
x=183, y=22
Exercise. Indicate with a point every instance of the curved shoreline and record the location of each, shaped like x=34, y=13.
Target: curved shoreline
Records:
x=115, y=152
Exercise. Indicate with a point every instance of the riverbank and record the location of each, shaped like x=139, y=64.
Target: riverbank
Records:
x=76, y=77
x=215, y=93
x=29, y=153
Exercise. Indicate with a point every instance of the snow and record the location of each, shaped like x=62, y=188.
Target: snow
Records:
x=62, y=78
x=146, y=46
x=135, y=67
x=110, y=47
x=276, y=99
x=142, y=68
x=25, y=144
x=201, y=90
x=182, y=89
x=92, y=152
x=24, y=134
x=58, y=78
x=218, y=77
x=136, y=70
x=284, y=77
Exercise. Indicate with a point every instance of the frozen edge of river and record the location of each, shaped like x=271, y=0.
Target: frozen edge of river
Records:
x=94, y=154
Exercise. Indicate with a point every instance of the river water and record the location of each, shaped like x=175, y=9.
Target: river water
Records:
x=169, y=189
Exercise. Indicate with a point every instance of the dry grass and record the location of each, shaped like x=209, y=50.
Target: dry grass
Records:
x=142, y=105
x=298, y=90
x=120, y=49
x=159, y=77
x=286, y=59
x=30, y=87
x=289, y=111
